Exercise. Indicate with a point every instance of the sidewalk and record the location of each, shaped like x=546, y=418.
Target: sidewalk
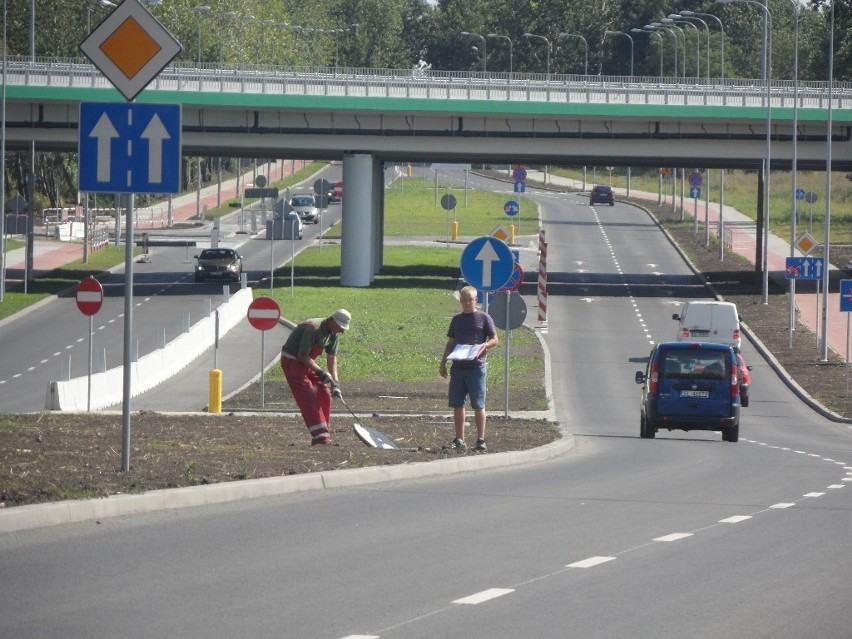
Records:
x=743, y=236
x=51, y=254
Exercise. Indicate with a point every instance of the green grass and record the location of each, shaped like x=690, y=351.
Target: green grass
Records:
x=399, y=324
x=741, y=194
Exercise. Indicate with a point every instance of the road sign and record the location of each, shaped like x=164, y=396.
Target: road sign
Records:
x=806, y=243
x=263, y=313
x=260, y=181
x=512, y=207
x=17, y=204
x=261, y=192
x=694, y=192
x=322, y=186
x=695, y=179
x=800, y=194
x=520, y=174
x=520, y=187
x=501, y=233
x=130, y=48
x=129, y=147
x=487, y=263
x=804, y=268
x=846, y=296
x=515, y=279
x=517, y=310
x=811, y=197
x=448, y=201
x=90, y=296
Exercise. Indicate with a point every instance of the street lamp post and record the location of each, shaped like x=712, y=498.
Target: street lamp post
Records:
x=827, y=225
x=585, y=49
x=656, y=26
x=688, y=14
x=626, y=35
x=509, y=40
x=201, y=9
x=767, y=72
x=540, y=37
x=484, y=45
x=103, y=3
x=707, y=30
x=652, y=33
x=697, y=45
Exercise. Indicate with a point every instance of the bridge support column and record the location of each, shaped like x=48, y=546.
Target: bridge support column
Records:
x=357, y=251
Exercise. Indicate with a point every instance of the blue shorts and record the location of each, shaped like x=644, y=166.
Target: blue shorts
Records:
x=464, y=382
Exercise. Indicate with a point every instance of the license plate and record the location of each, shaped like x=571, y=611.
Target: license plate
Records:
x=695, y=393
x=695, y=332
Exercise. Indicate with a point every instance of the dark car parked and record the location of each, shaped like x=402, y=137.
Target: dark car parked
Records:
x=690, y=386
x=223, y=263
x=602, y=194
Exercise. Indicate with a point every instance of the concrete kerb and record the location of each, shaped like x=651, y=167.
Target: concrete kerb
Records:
x=761, y=348
x=22, y=518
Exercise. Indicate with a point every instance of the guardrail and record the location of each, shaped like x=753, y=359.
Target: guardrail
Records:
x=442, y=85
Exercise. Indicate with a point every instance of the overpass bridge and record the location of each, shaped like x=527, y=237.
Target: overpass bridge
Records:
x=367, y=117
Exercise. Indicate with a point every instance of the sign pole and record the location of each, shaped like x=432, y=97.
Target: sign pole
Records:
x=128, y=334
x=89, y=390
x=506, y=358
x=847, y=355
x=262, y=376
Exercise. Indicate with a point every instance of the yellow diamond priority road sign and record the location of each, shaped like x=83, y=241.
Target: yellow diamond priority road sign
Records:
x=806, y=243
x=130, y=48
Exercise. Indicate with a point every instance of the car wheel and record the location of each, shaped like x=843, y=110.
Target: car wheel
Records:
x=744, y=398
x=731, y=434
x=645, y=430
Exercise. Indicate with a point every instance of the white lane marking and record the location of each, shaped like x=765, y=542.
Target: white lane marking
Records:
x=836, y=486
x=673, y=537
x=485, y=595
x=783, y=505
x=735, y=519
x=361, y=637
x=590, y=562
x=813, y=495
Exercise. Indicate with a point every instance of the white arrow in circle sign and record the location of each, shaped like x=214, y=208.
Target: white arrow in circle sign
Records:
x=487, y=255
x=155, y=133
x=104, y=132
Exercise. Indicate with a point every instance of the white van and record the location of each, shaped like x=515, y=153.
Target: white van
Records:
x=709, y=321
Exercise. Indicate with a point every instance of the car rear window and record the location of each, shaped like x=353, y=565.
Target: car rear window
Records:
x=216, y=254
x=303, y=201
x=693, y=364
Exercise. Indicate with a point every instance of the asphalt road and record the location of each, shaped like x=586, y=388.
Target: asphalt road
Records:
x=680, y=536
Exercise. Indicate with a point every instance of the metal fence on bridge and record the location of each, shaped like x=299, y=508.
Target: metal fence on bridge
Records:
x=443, y=85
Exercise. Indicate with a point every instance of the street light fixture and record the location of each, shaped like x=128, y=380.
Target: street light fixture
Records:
x=200, y=10
x=651, y=32
x=626, y=35
x=484, y=45
x=707, y=29
x=509, y=40
x=656, y=26
x=767, y=69
x=697, y=45
x=540, y=37
x=687, y=14
x=585, y=48
x=103, y=3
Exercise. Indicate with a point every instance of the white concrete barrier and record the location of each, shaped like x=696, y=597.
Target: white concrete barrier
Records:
x=152, y=369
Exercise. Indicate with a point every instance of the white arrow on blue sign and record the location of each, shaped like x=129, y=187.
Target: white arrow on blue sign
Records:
x=804, y=268
x=512, y=207
x=487, y=264
x=129, y=147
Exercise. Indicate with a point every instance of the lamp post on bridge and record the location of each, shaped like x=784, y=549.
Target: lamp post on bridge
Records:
x=658, y=26
x=626, y=35
x=707, y=30
x=509, y=40
x=484, y=45
x=697, y=45
x=549, y=47
x=652, y=33
x=585, y=48
x=201, y=9
x=689, y=14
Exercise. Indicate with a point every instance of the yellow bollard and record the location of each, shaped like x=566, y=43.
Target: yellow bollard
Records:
x=511, y=235
x=214, y=397
x=455, y=233
x=409, y=170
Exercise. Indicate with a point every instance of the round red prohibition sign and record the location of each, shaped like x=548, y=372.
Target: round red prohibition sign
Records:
x=263, y=313
x=90, y=296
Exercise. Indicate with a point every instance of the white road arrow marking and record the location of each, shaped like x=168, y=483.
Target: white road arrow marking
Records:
x=487, y=255
x=104, y=132
x=155, y=133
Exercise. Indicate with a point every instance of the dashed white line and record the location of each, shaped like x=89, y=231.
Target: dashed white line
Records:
x=673, y=537
x=485, y=595
x=783, y=505
x=735, y=519
x=590, y=562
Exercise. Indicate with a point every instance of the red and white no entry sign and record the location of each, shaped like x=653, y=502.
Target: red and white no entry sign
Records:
x=90, y=296
x=263, y=313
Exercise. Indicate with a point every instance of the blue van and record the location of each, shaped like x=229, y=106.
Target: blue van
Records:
x=690, y=386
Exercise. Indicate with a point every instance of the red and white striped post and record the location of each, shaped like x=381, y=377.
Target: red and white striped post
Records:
x=542, y=277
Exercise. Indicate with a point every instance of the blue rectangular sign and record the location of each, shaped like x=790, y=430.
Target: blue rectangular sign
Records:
x=804, y=268
x=125, y=147
x=845, y=296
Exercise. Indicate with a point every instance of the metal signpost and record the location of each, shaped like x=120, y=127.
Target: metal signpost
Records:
x=695, y=182
x=263, y=314
x=846, y=307
x=448, y=203
x=806, y=268
x=90, y=297
x=129, y=148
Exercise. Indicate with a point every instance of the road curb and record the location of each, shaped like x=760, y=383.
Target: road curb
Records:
x=20, y=518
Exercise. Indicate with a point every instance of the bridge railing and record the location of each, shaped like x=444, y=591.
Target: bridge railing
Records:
x=443, y=85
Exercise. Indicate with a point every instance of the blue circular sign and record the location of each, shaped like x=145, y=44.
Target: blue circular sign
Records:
x=695, y=179
x=487, y=263
x=800, y=194
x=520, y=174
x=512, y=207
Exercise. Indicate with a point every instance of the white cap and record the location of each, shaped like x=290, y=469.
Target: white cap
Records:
x=341, y=316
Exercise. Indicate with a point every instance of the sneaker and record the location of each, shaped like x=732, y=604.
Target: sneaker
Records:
x=480, y=444
x=459, y=444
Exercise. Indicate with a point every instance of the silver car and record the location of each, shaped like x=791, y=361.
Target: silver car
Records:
x=306, y=207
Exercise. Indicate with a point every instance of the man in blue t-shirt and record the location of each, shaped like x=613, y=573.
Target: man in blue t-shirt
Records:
x=468, y=373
